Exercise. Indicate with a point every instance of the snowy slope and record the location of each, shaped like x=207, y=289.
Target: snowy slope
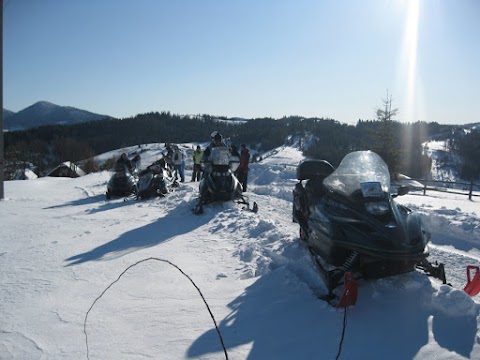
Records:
x=445, y=165
x=62, y=245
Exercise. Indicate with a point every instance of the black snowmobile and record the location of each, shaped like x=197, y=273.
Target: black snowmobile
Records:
x=124, y=179
x=353, y=226
x=219, y=183
x=155, y=180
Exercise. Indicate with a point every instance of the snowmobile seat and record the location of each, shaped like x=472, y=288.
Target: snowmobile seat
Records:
x=314, y=169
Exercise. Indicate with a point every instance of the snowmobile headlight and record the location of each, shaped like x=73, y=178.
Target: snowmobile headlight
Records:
x=377, y=207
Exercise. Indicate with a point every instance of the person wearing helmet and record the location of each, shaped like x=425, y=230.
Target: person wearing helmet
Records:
x=125, y=161
x=216, y=141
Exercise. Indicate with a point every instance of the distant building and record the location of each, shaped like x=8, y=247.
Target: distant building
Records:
x=66, y=169
x=24, y=174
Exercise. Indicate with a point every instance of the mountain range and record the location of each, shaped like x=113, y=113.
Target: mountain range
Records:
x=46, y=113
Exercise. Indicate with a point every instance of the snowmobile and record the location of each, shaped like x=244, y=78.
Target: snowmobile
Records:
x=219, y=182
x=124, y=179
x=155, y=180
x=352, y=225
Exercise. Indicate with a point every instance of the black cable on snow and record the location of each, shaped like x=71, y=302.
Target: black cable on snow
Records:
x=175, y=266
x=343, y=332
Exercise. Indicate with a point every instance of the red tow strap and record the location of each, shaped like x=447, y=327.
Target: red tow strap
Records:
x=473, y=284
x=350, y=291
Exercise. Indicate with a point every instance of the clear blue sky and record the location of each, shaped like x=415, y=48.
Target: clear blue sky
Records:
x=248, y=58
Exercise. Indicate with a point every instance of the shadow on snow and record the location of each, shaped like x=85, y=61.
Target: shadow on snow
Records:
x=289, y=322
x=143, y=237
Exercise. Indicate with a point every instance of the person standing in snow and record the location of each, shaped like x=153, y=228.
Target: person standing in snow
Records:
x=242, y=171
x=182, y=168
x=178, y=156
x=169, y=155
x=197, y=167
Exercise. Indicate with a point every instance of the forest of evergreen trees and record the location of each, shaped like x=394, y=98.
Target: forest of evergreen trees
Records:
x=467, y=145
x=398, y=143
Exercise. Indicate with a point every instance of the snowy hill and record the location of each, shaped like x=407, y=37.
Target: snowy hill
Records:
x=46, y=113
x=63, y=248
x=445, y=165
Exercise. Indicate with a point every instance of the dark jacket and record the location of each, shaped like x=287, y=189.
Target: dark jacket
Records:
x=244, y=160
x=125, y=161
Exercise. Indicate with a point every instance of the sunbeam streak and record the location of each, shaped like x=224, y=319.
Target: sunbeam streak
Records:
x=411, y=43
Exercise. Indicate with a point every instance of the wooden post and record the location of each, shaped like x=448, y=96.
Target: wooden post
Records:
x=425, y=187
x=471, y=190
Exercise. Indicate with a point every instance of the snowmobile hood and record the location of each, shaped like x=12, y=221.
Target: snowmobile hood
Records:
x=360, y=170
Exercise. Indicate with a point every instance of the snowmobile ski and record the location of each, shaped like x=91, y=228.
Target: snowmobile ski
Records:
x=245, y=200
x=333, y=280
x=434, y=270
x=198, y=208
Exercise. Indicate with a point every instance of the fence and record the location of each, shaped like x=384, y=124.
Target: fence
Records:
x=452, y=187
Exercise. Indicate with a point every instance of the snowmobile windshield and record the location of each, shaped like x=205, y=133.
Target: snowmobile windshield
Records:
x=360, y=170
x=220, y=156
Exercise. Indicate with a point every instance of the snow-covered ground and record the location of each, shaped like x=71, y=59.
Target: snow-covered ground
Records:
x=86, y=278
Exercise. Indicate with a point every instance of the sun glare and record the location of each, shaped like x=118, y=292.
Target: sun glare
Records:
x=409, y=110
x=410, y=51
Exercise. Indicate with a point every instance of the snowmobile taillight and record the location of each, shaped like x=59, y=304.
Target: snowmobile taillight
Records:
x=377, y=208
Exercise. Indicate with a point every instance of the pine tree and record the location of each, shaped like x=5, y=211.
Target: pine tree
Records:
x=385, y=143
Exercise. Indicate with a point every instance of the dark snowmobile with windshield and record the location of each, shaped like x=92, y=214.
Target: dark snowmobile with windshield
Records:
x=219, y=183
x=124, y=179
x=155, y=180
x=352, y=225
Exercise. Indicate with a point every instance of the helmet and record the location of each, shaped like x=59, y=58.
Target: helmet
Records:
x=212, y=135
x=217, y=137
